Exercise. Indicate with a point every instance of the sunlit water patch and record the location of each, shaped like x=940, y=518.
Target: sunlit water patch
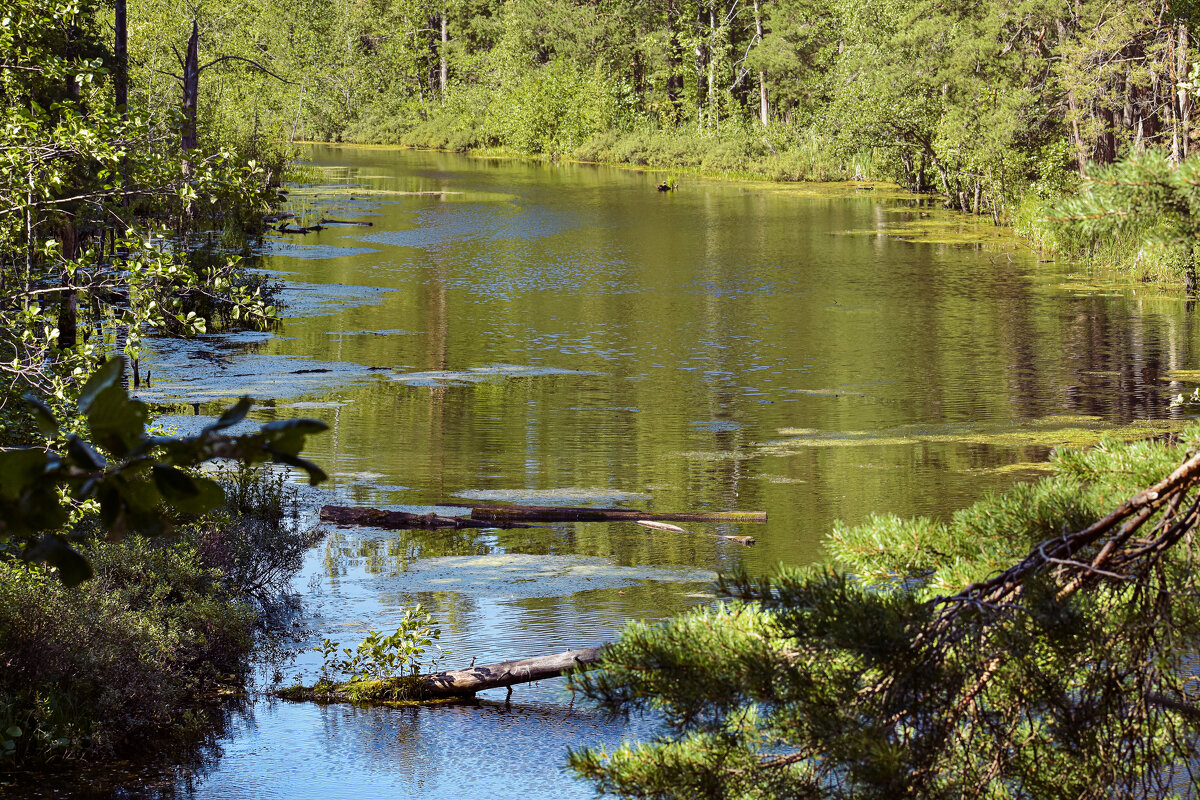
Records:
x=482, y=374
x=293, y=249
x=518, y=576
x=253, y=374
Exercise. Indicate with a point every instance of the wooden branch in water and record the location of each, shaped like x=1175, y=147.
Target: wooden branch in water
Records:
x=557, y=514
x=283, y=228
x=666, y=526
x=516, y=516
x=455, y=683
x=345, y=222
x=400, y=520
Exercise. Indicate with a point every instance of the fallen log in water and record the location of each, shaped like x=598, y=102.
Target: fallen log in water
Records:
x=558, y=514
x=666, y=526
x=400, y=520
x=455, y=683
x=345, y=222
x=283, y=228
x=516, y=516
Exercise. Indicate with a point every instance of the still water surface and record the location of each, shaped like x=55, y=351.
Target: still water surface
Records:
x=507, y=331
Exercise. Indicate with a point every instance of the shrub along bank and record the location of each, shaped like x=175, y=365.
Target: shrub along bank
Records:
x=137, y=657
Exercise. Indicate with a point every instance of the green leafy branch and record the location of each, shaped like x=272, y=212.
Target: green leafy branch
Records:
x=379, y=657
x=139, y=482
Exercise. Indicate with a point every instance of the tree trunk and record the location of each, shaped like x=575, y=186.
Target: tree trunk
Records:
x=1073, y=109
x=443, y=64
x=121, y=59
x=400, y=520
x=764, y=110
x=68, y=299
x=191, y=89
x=1189, y=272
x=559, y=514
x=1172, y=100
x=1185, y=111
x=674, y=61
x=714, y=110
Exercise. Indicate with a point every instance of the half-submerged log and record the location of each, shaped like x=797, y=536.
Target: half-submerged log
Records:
x=559, y=514
x=345, y=222
x=400, y=520
x=285, y=228
x=455, y=683
x=666, y=526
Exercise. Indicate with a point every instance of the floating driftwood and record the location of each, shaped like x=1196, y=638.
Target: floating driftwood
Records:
x=455, y=683
x=284, y=228
x=559, y=514
x=400, y=520
x=346, y=222
x=517, y=516
x=666, y=526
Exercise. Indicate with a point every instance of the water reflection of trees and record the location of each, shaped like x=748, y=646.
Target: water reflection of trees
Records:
x=471, y=749
x=394, y=552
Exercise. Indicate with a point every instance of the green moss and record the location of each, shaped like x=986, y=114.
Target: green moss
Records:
x=400, y=691
x=940, y=226
x=1050, y=432
x=1023, y=466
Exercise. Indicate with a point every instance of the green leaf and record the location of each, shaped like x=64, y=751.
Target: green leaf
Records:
x=233, y=416
x=42, y=414
x=315, y=474
x=117, y=422
x=13, y=732
x=299, y=425
x=19, y=469
x=174, y=484
x=208, y=495
x=107, y=376
x=73, y=568
x=83, y=455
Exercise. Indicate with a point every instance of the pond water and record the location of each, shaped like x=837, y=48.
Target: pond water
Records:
x=566, y=335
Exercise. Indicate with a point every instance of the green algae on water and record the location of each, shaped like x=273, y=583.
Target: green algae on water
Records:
x=1049, y=432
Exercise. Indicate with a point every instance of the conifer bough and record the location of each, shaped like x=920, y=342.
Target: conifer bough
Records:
x=1068, y=671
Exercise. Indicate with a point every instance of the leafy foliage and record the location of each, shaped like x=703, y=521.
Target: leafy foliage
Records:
x=137, y=481
x=978, y=102
x=1066, y=674
x=130, y=660
x=379, y=657
x=1145, y=202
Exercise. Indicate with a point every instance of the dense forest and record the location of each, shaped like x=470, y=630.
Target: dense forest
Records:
x=981, y=102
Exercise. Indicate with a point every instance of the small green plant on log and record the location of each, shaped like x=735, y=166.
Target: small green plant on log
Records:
x=379, y=657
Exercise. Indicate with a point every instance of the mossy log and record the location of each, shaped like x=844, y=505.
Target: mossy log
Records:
x=516, y=516
x=400, y=520
x=452, y=684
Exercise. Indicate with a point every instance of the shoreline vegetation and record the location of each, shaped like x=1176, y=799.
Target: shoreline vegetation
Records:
x=135, y=587
x=142, y=657
x=129, y=195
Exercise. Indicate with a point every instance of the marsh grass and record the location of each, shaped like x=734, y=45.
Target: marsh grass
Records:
x=1131, y=253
